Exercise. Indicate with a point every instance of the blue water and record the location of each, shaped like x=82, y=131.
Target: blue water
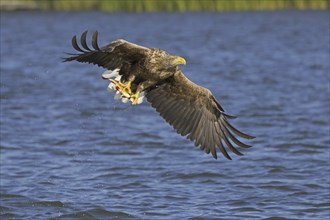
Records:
x=69, y=151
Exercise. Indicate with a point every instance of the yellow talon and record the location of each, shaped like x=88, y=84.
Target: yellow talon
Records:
x=124, y=89
x=134, y=98
x=126, y=92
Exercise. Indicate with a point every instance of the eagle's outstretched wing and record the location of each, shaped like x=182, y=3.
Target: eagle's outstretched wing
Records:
x=193, y=111
x=112, y=56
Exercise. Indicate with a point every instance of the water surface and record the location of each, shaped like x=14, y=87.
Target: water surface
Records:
x=69, y=151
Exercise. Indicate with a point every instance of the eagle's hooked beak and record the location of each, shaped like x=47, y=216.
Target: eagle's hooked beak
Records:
x=180, y=60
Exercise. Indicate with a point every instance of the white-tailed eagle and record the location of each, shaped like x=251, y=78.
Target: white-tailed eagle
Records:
x=137, y=72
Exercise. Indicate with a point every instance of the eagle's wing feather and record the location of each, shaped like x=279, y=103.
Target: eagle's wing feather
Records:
x=193, y=111
x=112, y=56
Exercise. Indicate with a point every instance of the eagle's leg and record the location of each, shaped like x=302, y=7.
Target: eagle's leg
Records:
x=135, y=97
x=141, y=87
x=124, y=89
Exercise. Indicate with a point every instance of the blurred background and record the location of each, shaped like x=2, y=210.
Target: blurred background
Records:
x=162, y=5
x=68, y=150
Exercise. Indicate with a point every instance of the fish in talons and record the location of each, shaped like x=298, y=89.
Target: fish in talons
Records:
x=123, y=91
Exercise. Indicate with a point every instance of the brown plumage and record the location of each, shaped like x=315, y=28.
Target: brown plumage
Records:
x=191, y=109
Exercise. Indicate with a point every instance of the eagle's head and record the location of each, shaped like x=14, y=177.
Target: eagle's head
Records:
x=176, y=60
x=165, y=60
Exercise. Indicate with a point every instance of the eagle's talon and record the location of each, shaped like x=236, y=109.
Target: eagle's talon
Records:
x=124, y=89
x=135, y=98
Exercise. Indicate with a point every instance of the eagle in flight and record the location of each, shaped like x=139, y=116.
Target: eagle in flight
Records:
x=137, y=72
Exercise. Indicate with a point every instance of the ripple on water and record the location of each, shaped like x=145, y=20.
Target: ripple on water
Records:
x=96, y=213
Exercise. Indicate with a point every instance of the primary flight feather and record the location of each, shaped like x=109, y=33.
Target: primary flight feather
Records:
x=138, y=72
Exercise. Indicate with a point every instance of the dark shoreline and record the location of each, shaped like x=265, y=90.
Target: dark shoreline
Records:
x=163, y=6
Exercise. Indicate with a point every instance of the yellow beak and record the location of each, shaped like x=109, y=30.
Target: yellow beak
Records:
x=180, y=60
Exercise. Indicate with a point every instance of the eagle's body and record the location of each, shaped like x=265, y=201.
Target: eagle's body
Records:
x=191, y=109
